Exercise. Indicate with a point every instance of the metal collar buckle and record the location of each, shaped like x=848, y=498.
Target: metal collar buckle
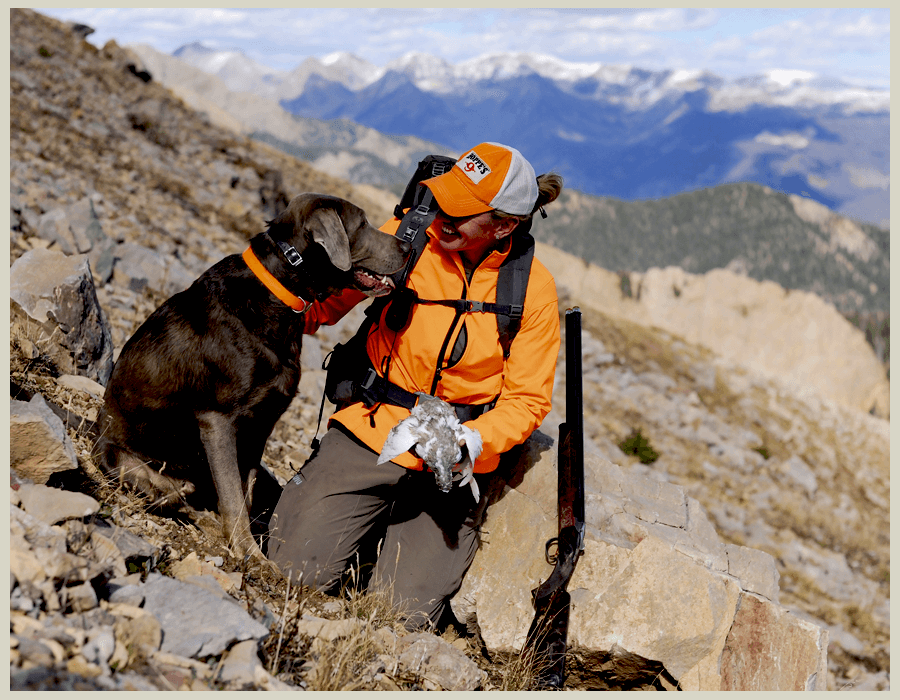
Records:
x=290, y=252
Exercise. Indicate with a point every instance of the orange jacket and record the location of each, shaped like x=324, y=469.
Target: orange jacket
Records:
x=523, y=384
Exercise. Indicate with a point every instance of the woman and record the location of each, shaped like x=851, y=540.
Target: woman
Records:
x=346, y=502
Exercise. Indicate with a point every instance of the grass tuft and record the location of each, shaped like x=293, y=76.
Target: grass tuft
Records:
x=637, y=445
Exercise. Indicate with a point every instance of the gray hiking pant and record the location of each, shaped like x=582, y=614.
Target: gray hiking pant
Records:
x=347, y=508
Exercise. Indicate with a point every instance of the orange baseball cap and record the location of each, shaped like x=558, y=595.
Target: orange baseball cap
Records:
x=489, y=176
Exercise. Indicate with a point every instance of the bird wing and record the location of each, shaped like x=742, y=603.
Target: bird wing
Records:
x=474, y=444
x=400, y=438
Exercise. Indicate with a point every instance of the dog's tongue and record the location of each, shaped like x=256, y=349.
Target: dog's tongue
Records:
x=375, y=286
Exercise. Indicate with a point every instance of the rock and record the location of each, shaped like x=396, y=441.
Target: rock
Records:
x=83, y=384
x=106, y=553
x=653, y=583
x=77, y=230
x=44, y=678
x=56, y=293
x=100, y=646
x=137, y=267
x=242, y=667
x=81, y=598
x=815, y=561
x=18, y=600
x=770, y=649
x=82, y=667
x=33, y=653
x=192, y=570
x=795, y=470
x=38, y=443
x=196, y=623
x=636, y=601
x=328, y=630
x=754, y=569
x=137, y=629
x=133, y=549
x=126, y=591
x=55, y=505
x=439, y=662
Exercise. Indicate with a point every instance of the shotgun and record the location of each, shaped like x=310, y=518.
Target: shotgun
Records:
x=545, y=645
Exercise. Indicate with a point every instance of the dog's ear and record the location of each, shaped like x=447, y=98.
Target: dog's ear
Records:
x=327, y=230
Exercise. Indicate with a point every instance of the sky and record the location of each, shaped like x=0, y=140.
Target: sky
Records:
x=851, y=45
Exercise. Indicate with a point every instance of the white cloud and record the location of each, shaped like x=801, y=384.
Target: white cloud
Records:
x=868, y=178
x=851, y=44
x=791, y=140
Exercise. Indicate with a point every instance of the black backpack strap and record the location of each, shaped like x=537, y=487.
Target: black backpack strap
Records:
x=420, y=208
x=429, y=167
x=512, y=283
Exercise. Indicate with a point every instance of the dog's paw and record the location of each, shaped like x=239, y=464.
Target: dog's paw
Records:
x=162, y=489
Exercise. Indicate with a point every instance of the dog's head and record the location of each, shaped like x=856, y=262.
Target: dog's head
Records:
x=334, y=233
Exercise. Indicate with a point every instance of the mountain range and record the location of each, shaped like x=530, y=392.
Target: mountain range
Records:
x=618, y=131
x=745, y=227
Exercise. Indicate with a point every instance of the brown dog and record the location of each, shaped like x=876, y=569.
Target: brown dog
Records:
x=198, y=388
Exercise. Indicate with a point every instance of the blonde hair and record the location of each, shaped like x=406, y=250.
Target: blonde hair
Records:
x=549, y=188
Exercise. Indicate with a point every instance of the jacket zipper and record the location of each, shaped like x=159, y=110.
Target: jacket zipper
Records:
x=439, y=370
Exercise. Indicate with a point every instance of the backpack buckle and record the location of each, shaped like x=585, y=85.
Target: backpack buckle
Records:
x=474, y=306
x=369, y=379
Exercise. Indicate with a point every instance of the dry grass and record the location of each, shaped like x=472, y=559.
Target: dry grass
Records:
x=354, y=655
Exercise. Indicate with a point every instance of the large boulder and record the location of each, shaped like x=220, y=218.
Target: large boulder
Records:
x=655, y=585
x=38, y=444
x=53, y=303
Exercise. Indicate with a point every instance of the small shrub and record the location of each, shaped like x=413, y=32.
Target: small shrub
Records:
x=764, y=451
x=636, y=444
x=625, y=284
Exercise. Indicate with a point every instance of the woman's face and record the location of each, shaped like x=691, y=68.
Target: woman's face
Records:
x=471, y=236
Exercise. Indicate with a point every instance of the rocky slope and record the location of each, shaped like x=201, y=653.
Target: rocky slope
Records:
x=163, y=193
x=791, y=336
x=342, y=149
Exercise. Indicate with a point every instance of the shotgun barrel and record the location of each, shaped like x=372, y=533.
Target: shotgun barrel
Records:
x=545, y=644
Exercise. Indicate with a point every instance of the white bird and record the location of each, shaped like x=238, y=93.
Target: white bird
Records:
x=435, y=431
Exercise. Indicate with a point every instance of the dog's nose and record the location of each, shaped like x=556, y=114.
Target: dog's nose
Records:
x=405, y=247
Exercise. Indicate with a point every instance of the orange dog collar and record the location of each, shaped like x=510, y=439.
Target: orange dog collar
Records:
x=273, y=285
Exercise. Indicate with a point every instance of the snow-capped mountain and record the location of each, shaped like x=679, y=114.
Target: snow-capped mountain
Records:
x=613, y=130
x=639, y=88
x=233, y=67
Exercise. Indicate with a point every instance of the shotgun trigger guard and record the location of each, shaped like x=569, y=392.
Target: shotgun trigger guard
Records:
x=549, y=557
